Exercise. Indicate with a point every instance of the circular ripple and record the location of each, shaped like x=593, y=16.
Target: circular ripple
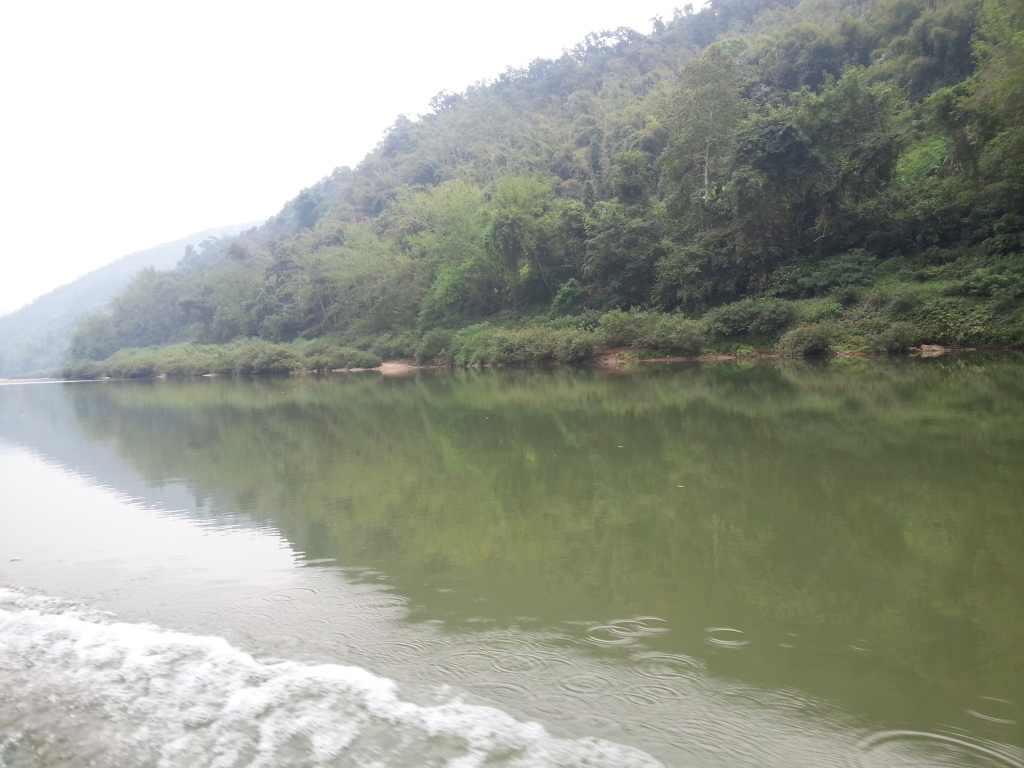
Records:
x=625, y=631
x=588, y=684
x=662, y=665
x=502, y=690
x=652, y=695
x=522, y=662
x=380, y=603
x=288, y=595
x=726, y=637
x=936, y=750
x=406, y=650
x=464, y=663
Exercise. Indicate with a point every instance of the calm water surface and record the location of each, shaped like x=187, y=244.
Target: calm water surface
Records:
x=729, y=565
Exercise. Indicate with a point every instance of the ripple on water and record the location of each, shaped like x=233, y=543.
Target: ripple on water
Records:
x=281, y=596
x=525, y=662
x=588, y=684
x=662, y=665
x=921, y=749
x=993, y=710
x=407, y=649
x=626, y=631
x=727, y=637
x=463, y=663
x=653, y=694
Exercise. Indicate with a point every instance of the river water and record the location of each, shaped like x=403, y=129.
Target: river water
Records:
x=788, y=564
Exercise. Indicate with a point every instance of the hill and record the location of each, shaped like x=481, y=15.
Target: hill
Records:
x=762, y=174
x=33, y=339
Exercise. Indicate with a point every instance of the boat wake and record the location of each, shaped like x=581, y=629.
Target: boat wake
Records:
x=78, y=688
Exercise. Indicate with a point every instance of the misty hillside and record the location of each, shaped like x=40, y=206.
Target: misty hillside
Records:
x=33, y=339
x=788, y=175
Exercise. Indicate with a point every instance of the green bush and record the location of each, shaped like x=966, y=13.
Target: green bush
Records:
x=395, y=346
x=484, y=344
x=960, y=320
x=988, y=280
x=342, y=357
x=570, y=299
x=673, y=333
x=259, y=356
x=81, y=370
x=890, y=302
x=806, y=340
x=131, y=364
x=649, y=330
x=587, y=320
x=575, y=347
x=817, y=310
x=797, y=281
x=618, y=328
x=754, y=316
x=898, y=337
x=434, y=347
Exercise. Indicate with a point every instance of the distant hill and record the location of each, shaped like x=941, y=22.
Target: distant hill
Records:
x=33, y=338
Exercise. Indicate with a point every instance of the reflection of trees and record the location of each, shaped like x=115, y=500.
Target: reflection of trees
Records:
x=863, y=499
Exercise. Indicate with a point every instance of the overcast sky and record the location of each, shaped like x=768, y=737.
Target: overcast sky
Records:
x=127, y=124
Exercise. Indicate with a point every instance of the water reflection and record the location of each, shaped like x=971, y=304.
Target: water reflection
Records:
x=852, y=531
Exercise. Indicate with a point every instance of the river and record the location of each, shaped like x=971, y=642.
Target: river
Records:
x=736, y=564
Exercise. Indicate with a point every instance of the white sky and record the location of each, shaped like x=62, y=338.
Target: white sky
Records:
x=130, y=123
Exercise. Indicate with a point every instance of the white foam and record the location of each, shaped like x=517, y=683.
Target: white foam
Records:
x=78, y=688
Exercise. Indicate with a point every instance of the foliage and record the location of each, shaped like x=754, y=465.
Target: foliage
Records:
x=488, y=345
x=898, y=337
x=760, y=164
x=650, y=330
x=755, y=316
x=806, y=340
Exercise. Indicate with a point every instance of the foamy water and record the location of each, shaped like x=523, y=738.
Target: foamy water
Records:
x=79, y=689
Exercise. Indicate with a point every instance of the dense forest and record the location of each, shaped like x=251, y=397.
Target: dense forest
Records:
x=787, y=175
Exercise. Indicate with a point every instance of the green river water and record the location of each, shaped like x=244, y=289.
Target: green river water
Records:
x=784, y=564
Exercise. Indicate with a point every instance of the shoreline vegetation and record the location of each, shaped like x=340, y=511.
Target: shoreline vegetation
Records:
x=607, y=340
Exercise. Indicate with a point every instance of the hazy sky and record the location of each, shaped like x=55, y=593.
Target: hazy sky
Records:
x=127, y=124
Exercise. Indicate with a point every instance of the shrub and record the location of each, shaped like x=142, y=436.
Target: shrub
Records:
x=750, y=316
x=673, y=333
x=898, y=337
x=618, y=328
x=587, y=320
x=890, y=302
x=806, y=340
x=650, y=330
x=575, y=347
x=796, y=281
x=434, y=347
x=131, y=364
x=817, y=310
x=987, y=281
x=83, y=370
x=259, y=356
x=391, y=347
x=570, y=298
x=486, y=345
x=342, y=357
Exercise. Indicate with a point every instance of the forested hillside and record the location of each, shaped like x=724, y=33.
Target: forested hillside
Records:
x=34, y=339
x=796, y=176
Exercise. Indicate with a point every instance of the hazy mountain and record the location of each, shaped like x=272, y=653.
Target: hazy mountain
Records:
x=33, y=338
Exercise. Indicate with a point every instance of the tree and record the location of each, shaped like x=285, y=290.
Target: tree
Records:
x=704, y=111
